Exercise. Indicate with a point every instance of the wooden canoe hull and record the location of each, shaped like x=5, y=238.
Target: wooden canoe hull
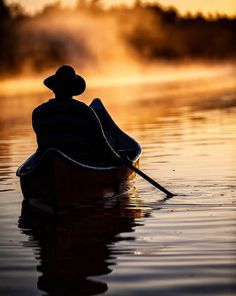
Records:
x=60, y=182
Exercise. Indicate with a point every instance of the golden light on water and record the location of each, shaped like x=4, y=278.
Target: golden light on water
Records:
x=21, y=85
x=155, y=73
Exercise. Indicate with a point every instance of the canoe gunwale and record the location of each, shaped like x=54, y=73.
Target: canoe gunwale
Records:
x=19, y=172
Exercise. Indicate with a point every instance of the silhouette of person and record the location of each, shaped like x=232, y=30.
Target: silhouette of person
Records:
x=68, y=124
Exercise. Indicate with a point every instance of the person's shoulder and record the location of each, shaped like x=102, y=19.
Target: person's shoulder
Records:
x=43, y=106
x=81, y=105
x=78, y=103
x=72, y=104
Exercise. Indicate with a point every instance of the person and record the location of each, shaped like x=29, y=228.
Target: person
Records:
x=68, y=124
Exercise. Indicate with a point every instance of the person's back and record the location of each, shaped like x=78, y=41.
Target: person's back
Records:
x=70, y=125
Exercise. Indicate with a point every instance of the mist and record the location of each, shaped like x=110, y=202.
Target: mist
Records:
x=115, y=46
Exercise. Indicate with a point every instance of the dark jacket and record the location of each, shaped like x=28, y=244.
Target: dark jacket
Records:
x=72, y=127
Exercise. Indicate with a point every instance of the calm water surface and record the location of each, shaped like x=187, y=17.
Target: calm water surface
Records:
x=139, y=243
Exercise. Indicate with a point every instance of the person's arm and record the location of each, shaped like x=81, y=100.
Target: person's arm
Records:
x=36, y=118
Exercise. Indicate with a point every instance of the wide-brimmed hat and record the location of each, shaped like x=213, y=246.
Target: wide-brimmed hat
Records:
x=66, y=80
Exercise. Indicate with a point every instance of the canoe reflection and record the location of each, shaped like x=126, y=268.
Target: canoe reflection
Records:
x=77, y=245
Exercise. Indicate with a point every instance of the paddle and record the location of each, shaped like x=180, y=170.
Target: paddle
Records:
x=99, y=109
x=129, y=164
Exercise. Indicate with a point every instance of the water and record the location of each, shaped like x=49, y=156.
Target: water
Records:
x=139, y=243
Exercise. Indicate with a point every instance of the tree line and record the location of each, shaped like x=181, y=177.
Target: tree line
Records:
x=148, y=30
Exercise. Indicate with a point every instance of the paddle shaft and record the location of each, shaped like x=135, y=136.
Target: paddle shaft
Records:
x=147, y=178
x=124, y=159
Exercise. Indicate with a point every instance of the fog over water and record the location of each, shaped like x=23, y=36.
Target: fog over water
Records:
x=109, y=42
x=178, y=103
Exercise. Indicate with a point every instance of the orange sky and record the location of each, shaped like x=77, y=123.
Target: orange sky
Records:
x=205, y=6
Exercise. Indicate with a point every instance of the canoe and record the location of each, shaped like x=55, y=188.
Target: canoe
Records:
x=60, y=182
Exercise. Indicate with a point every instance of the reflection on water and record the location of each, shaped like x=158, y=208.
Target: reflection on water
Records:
x=185, y=245
x=76, y=245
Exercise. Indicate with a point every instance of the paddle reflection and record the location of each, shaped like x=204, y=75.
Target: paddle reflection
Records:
x=77, y=245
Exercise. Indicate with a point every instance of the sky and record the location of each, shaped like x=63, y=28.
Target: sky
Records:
x=205, y=6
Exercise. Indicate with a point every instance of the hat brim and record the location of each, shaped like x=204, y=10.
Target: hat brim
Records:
x=76, y=87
